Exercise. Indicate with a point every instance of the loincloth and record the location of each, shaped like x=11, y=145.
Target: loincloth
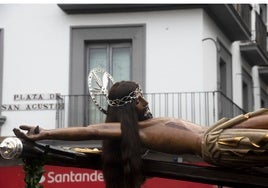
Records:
x=237, y=147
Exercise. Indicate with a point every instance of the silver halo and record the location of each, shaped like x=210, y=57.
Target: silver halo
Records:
x=98, y=88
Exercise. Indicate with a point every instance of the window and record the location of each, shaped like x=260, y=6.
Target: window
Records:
x=245, y=96
x=223, y=79
x=225, y=82
x=107, y=47
x=264, y=99
x=115, y=58
x=247, y=92
x=225, y=71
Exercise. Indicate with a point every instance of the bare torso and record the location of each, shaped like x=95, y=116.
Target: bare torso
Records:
x=171, y=135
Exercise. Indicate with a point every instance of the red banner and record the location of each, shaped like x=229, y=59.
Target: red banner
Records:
x=68, y=177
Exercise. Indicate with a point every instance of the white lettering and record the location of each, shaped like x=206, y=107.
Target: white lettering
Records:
x=64, y=178
x=50, y=177
x=100, y=177
x=58, y=178
x=86, y=177
x=95, y=176
x=78, y=178
x=71, y=176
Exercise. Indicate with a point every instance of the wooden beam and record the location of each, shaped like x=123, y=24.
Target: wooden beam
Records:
x=208, y=174
x=253, y=177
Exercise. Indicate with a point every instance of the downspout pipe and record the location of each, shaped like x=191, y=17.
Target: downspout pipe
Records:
x=217, y=51
x=256, y=87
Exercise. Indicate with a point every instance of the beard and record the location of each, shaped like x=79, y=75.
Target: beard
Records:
x=146, y=114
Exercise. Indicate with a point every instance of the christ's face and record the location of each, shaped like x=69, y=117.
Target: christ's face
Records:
x=142, y=108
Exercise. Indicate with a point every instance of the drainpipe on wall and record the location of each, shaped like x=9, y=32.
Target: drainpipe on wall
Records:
x=256, y=87
x=253, y=23
x=237, y=74
x=217, y=50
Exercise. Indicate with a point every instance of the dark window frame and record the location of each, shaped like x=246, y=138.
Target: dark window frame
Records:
x=224, y=66
x=247, y=82
x=80, y=36
x=94, y=116
x=225, y=58
x=264, y=98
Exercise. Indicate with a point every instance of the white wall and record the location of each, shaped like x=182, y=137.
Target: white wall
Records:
x=37, y=51
x=211, y=37
x=174, y=53
x=36, y=56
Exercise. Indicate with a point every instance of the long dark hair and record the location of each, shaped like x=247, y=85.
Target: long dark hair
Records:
x=121, y=157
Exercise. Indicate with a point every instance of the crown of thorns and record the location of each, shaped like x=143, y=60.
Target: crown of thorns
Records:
x=126, y=99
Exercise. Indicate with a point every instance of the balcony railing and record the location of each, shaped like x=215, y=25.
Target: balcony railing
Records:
x=244, y=11
x=202, y=108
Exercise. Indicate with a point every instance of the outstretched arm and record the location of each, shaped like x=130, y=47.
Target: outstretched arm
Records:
x=161, y=134
x=91, y=132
